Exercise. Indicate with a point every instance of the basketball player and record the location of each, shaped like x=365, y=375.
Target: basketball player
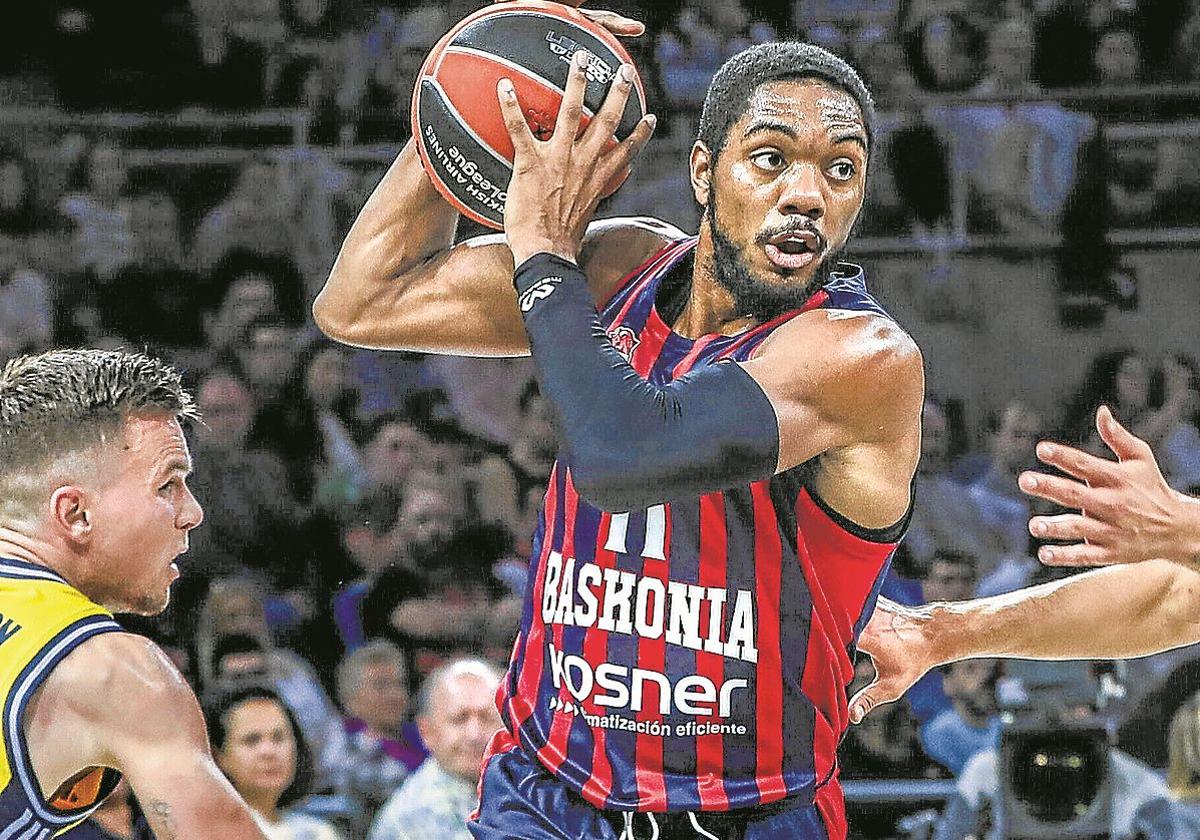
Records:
x=1147, y=601
x=93, y=510
x=740, y=427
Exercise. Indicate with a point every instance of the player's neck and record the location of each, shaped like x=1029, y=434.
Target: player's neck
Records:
x=15, y=545
x=710, y=307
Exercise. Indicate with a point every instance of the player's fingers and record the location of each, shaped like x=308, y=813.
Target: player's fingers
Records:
x=615, y=23
x=1065, y=491
x=570, y=113
x=1124, y=444
x=604, y=124
x=1076, y=462
x=620, y=156
x=514, y=118
x=1082, y=554
x=871, y=697
x=1071, y=526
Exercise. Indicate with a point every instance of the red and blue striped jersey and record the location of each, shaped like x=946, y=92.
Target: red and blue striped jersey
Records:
x=693, y=655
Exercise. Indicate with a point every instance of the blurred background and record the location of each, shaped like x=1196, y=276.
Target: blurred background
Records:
x=176, y=175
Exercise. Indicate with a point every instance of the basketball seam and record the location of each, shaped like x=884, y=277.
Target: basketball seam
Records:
x=537, y=77
x=464, y=125
x=618, y=50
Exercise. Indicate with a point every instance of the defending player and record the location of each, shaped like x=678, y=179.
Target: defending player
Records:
x=93, y=510
x=740, y=425
x=1128, y=515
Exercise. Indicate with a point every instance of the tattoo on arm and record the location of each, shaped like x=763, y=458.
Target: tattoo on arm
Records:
x=162, y=820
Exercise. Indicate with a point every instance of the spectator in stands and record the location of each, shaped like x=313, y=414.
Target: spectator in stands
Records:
x=1117, y=59
x=19, y=212
x=337, y=471
x=506, y=480
x=1009, y=72
x=1183, y=762
x=1014, y=433
x=945, y=52
x=394, y=448
x=377, y=746
x=698, y=41
x=373, y=541
x=456, y=713
x=248, y=485
x=236, y=606
x=26, y=305
x=251, y=295
x=944, y=517
x=238, y=660
x=253, y=217
x=950, y=576
x=256, y=742
x=388, y=61
x=156, y=297
x=1121, y=379
x=1176, y=387
x=99, y=210
x=955, y=735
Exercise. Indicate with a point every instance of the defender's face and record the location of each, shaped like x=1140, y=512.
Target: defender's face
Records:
x=790, y=181
x=141, y=519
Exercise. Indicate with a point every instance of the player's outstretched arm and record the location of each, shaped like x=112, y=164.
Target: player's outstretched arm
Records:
x=1127, y=512
x=122, y=704
x=1121, y=612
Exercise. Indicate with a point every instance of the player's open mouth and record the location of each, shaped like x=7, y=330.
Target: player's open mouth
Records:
x=794, y=249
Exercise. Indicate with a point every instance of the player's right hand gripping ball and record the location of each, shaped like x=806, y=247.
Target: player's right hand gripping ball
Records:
x=456, y=117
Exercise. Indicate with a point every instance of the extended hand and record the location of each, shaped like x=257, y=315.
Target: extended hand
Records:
x=896, y=640
x=1127, y=511
x=556, y=184
x=613, y=22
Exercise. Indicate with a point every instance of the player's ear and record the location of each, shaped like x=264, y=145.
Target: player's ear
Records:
x=69, y=512
x=700, y=168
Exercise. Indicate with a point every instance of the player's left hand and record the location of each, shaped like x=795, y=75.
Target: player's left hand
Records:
x=898, y=643
x=557, y=183
x=1127, y=511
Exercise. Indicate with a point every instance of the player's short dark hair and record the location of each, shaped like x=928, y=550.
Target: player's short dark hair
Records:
x=63, y=402
x=737, y=80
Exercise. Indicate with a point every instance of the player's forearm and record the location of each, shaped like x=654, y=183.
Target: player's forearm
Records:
x=1113, y=613
x=403, y=224
x=634, y=443
x=1185, y=547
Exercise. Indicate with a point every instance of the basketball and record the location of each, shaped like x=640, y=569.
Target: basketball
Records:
x=456, y=118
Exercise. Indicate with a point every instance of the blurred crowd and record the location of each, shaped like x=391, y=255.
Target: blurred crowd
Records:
x=359, y=577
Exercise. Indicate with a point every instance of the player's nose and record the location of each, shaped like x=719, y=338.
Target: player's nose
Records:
x=191, y=514
x=801, y=192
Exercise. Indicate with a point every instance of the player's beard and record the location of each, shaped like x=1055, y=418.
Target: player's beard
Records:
x=752, y=295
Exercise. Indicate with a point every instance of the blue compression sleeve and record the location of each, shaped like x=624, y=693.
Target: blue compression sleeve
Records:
x=632, y=444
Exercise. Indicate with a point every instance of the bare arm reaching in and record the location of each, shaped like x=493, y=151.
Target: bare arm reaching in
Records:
x=132, y=710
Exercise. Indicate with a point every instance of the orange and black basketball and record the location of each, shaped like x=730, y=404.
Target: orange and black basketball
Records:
x=456, y=116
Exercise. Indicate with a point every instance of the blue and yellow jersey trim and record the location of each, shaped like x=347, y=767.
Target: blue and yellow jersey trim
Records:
x=42, y=620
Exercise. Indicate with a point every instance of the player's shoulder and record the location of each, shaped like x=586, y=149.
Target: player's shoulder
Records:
x=869, y=342
x=111, y=673
x=622, y=243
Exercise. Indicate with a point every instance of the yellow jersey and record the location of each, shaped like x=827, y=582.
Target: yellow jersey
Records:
x=42, y=619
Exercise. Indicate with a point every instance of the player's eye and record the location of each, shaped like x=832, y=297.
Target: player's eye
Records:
x=843, y=170
x=769, y=160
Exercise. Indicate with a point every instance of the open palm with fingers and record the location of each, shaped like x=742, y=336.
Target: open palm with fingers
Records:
x=1126, y=510
x=557, y=183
